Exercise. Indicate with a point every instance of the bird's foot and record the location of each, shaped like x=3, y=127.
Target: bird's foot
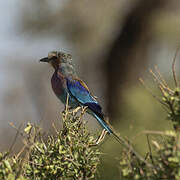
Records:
x=100, y=138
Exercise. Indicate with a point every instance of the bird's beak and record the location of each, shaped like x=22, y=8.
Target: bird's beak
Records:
x=46, y=59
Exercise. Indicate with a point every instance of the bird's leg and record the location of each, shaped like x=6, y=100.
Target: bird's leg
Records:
x=100, y=138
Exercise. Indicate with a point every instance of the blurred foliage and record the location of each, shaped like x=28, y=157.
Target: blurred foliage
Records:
x=165, y=160
x=9, y=167
x=170, y=97
x=173, y=101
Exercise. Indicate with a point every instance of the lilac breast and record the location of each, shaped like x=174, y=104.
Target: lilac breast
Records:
x=59, y=88
x=57, y=84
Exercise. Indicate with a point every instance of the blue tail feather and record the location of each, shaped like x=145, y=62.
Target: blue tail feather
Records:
x=103, y=123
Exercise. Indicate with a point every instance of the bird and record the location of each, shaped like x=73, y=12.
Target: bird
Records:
x=66, y=83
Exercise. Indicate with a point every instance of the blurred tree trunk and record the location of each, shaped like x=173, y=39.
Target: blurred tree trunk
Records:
x=128, y=54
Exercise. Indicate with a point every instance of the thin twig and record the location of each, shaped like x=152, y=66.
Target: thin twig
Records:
x=127, y=145
x=154, y=96
x=150, y=151
x=161, y=133
x=67, y=106
x=161, y=78
x=15, y=138
x=101, y=137
x=159, y=82
x=12, y=125
x=53, y=125
x=83, y=110
x=67, y=103
x=21, y=151
x=173, y=67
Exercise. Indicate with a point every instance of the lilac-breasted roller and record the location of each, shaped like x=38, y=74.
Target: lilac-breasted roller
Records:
x=66, y=82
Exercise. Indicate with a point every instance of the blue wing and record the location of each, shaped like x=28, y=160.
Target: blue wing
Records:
x=79, y=90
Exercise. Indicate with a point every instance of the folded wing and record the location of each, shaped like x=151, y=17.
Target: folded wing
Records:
x=79, y=90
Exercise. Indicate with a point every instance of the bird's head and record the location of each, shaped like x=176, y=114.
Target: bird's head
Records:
x=56, y=58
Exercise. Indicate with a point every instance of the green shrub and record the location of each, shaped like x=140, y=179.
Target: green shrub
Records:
x=10, y=168
x=67, y=155
x=165, y=160
x=164, y=150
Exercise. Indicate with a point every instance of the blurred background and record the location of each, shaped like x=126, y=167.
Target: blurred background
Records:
x=113, y=43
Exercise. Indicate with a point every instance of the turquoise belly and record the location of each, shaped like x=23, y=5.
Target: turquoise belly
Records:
x=71, y=101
